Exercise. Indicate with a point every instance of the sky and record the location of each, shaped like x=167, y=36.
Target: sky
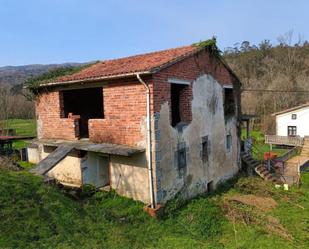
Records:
x=58, y=31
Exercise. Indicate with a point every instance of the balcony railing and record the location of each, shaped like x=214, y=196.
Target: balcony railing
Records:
x=284, y=140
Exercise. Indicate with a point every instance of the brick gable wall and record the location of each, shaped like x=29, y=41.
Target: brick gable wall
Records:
x=188, y=69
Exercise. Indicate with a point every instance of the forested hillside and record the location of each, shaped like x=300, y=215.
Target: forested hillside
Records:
x=274, y=77
x=13, y=103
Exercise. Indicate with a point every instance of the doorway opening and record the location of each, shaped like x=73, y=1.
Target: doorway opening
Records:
x=210, y=187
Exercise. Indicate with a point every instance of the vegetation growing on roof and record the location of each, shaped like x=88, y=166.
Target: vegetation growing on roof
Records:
x=35, y=82
x=210, y=44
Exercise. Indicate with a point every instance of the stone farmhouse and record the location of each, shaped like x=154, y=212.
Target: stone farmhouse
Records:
x=149, y=126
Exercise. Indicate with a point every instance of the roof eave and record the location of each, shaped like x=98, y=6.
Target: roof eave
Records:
x=290, y=109
x=118, y=76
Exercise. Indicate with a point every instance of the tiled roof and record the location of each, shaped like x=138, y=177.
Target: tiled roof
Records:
x=134, y=64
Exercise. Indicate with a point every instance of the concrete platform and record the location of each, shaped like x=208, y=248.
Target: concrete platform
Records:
x=86, y=145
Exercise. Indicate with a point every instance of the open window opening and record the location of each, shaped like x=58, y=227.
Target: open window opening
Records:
x=229, y=102
x=180, y=105
x=85, y=103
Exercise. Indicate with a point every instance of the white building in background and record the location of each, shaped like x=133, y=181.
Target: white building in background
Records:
x=293, y=121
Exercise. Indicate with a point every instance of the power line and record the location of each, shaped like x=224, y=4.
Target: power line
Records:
x=275, y=91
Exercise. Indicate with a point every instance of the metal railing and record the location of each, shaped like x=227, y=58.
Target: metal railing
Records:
x=271, y=164
x=289, y=154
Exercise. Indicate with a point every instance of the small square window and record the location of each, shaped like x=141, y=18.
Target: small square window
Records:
x=294, y=116
x=228, y=142
x=182, y=160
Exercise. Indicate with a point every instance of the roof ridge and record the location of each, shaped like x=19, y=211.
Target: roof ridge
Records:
x=147, y=53
x=146, y=63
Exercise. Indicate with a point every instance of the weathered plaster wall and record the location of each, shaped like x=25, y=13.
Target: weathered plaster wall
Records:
x=208, y=120
x=68, y=170
x=95, y=169
x=33, y=155
x=129, y=176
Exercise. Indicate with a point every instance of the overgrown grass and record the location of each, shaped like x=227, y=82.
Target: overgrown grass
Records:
x=35, y=215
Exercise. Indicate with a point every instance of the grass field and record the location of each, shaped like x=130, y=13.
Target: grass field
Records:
x=35, y=215
x=23, y=127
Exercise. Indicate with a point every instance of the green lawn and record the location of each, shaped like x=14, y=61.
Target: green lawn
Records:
x=35, y=215
x=23, y=127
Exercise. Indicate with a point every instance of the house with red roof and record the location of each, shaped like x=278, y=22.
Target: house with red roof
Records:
x=149, y=126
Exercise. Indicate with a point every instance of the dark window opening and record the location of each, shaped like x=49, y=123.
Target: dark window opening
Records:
x=86, y=103
x=228, y=142
x=210, y=187
x=292, y=131
x=229, y=102
x=294, y=116
x=205, y=150
x=180, y=104
x=182, y=160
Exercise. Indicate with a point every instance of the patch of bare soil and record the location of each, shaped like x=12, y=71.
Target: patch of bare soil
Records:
x=251, y=210
x=262, y=203
x=8, y=164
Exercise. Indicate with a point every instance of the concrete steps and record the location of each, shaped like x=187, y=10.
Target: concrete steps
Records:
x=259, y=168
x=250, y=162
x=266, y=175
x=305, y=149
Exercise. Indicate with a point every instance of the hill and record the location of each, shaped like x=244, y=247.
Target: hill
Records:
x=274, y=77
x=16, y=75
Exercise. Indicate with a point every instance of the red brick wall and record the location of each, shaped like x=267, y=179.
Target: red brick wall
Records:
x=125, y=104
x=124, y=112
x=185, y=100
x=188, y=69
x=124, y=115
x=50, y=123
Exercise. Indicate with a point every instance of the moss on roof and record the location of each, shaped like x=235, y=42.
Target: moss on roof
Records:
x=34, y=83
